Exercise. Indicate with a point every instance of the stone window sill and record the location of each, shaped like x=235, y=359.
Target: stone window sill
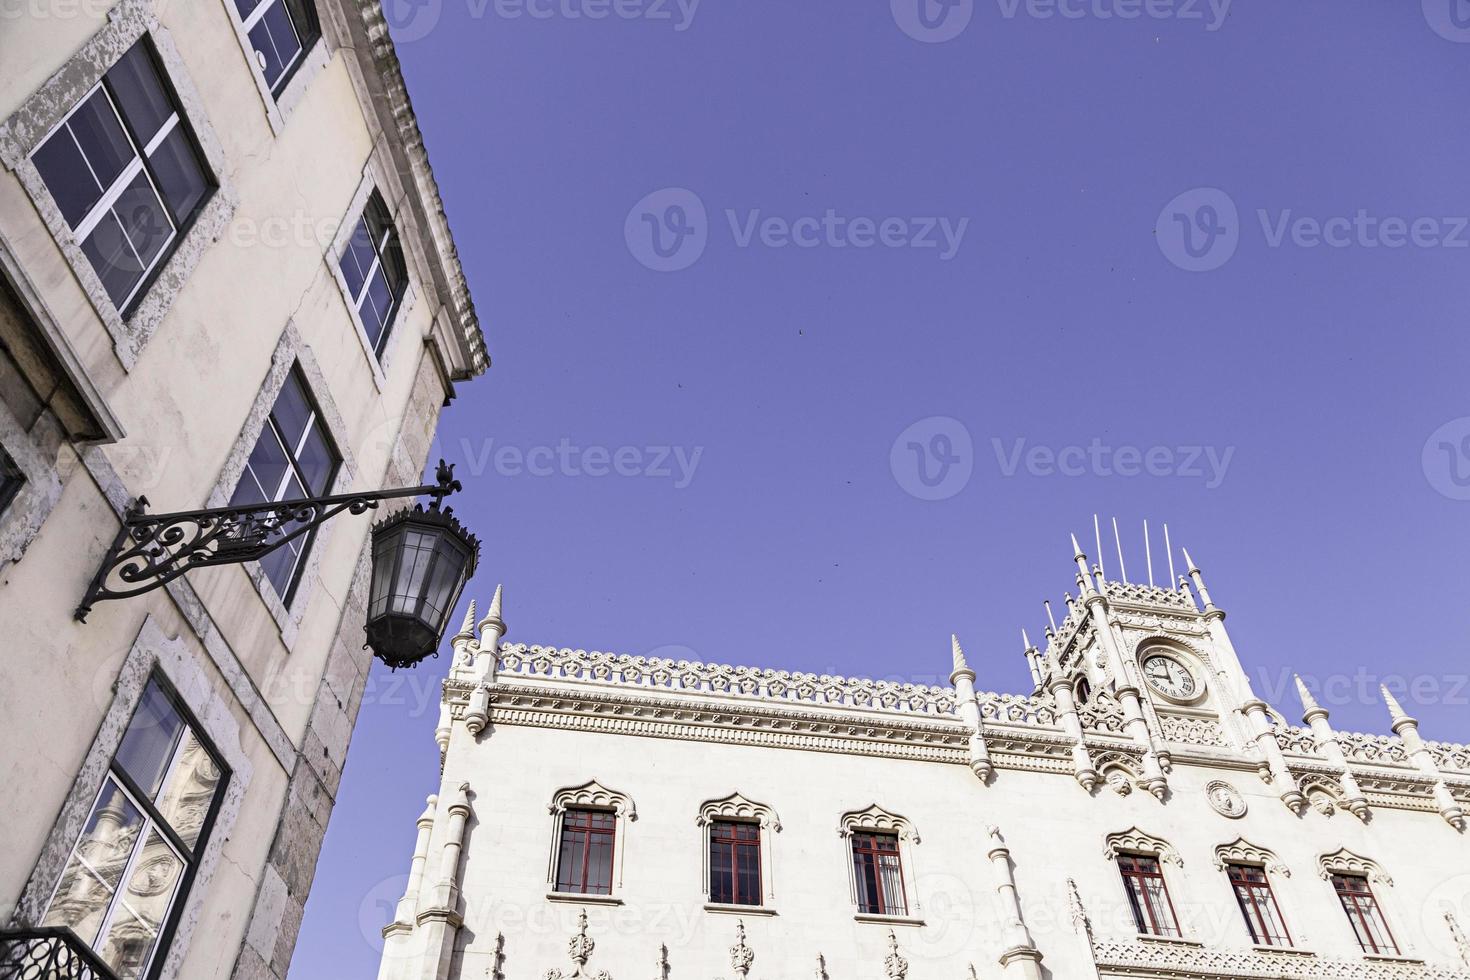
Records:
x=580, y=898
x=1147, y=937
x=726, y=909
x=1291, y=950
x=889, y=920
x=1389, y=958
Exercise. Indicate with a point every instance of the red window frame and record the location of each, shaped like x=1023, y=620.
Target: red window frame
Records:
x=1139, y=871
x=1363, y=911
x=1257, y=902
x=739, y=839
x=874, y=858
x=590, y=825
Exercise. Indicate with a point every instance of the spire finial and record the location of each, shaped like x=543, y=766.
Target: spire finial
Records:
x=1026, y=643
x=495, y=600
x=1309, y=703
x=467, y=630
x=958, y=653
x=1395, y=710
x=1077, y=551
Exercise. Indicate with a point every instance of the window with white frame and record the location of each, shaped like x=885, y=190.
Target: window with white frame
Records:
x=126, y=174
x=281, y=32
x=738, y=869
x=588, y=828
x=125, y=882
x=374, y=272
x=879, y=870
x=293, y=458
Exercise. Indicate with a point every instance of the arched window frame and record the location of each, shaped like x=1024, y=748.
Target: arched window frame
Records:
x=591, y=795
x=1136, y=842
x=1242, y=852
x=1345, y=862
x=738, y=809
x=875, y=819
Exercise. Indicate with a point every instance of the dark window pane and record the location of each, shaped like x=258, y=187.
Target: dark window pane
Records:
x=148, y=745
x=357, y=259
x=101, y=138
x=143, y=219
x=394, y=267
x=317, y=461
x=185, y=799
x=377, y=307
x=67, y=176
x=245, y=6
x=112, y=257
x=292, y=412
x=267, y=467
x=139, y=93
x=280, y=567
x=179, y=173
x=275, y=38
x=96, y=867
x=11, y=480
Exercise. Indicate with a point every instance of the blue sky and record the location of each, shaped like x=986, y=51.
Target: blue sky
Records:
x=1207, y=265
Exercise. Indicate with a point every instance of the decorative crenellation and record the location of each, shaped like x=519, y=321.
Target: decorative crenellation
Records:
x=727, y=680
x=1162, y=958
x=1193, y=731
x=1132, y=593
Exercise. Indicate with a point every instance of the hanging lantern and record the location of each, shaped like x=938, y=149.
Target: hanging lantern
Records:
x=421, y=561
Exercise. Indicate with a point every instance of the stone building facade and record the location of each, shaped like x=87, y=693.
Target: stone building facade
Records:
x=226, y=277
x=1141, y=813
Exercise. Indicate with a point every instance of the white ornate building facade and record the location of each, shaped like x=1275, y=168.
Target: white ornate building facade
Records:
x=1140, y=814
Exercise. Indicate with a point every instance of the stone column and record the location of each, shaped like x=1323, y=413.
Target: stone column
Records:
x=963, y=679
x=1020, y=959
x=440, y=920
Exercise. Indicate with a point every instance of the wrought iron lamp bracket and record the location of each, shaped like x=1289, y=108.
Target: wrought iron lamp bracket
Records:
x=151, y=550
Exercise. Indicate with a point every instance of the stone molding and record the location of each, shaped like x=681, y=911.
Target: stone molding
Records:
x=1135, y=841
x=877, y=818
x=593, y=794
x=737, y=807
x=1345, y=861
x=1185, y=961
x=1243, y=851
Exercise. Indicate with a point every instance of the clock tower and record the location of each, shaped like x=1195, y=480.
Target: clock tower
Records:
x=1149, y=671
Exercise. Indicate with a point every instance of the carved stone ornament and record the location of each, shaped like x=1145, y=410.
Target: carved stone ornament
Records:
x=1346, y=862
x=741, y=955
x=877, y=818
x=737, y=807
x=593, y=794
x=1225, y=799
x=894, y=965
x=1135, y=841
x=1244, y=852
x=579, y=948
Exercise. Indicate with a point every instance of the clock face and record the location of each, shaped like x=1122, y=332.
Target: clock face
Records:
x=1169, y=677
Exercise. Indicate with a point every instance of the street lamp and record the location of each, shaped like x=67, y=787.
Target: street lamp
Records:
x=421, y=561
x=421, y=557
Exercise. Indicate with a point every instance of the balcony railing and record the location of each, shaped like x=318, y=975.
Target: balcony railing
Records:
x=49, y=954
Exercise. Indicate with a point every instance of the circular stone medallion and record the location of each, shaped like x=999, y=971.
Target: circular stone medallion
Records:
x=1225, y=799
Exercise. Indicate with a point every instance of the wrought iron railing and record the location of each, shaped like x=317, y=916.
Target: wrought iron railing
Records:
x=49, y=954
